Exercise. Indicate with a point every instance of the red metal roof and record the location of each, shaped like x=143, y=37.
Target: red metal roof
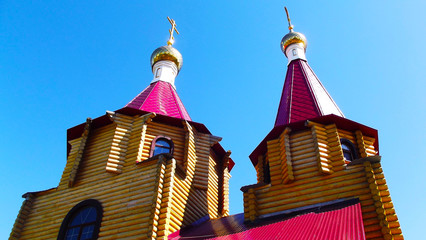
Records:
x=160, y=97
x=343, y=223
x=303, y=96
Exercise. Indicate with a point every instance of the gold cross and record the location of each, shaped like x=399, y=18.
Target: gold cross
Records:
x=172, y=39
x=290, y=27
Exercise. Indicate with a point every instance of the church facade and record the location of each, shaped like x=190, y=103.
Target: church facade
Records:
x=147, y=171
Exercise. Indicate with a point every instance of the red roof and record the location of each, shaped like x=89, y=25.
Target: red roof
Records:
x=342, y=223
x=303, y=96
x=160, y=97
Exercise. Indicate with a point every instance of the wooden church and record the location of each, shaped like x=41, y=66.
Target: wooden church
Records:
x=147, y=171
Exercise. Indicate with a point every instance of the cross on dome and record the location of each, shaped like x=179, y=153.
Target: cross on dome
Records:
x=290, y=27
x=171, y=38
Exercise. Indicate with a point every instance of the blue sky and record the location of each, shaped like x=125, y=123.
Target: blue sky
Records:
x=64, y=61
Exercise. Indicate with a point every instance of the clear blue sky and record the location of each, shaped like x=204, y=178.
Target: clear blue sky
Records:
x=64, y=61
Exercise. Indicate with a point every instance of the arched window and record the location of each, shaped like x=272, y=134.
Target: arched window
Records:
x=82, y=221
x=161, y=145
x=348, y=149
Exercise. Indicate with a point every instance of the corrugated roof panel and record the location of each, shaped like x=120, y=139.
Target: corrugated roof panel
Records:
x=161, y=98
x=341, y=224
x=303, y=96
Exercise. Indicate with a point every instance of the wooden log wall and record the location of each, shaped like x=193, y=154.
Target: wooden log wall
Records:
x=79, y=154
x=312, y=186
x=213, y=186
x=385, y=212
x=149, y=199
x=280, y=164
x=329, y=150
x=259, y=169
x=120, y=141
x=22, y=217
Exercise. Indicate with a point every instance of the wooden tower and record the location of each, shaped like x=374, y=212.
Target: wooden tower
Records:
x=141, y=172
x=315, y=157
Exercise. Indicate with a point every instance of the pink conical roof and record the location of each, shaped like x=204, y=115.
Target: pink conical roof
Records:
x=160, y=97
x=303, y=96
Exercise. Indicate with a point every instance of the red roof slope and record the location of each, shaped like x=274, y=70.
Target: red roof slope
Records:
x=342, y=223
x=303, y=96
x=160, y=97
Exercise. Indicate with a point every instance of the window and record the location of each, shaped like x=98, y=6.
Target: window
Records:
x=82, y=221
x=157, y=72
x=266, y=173
x=161, y=145
x=348, y=149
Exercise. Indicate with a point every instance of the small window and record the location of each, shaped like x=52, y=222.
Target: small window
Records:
x=157, y=72
x=161, y=145
x=294, y=52
x=348, y=149
x=82, y=221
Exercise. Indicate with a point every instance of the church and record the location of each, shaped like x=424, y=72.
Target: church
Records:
x=147, y=171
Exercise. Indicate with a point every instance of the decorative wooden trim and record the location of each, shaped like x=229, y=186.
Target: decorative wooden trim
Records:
x=252, y=205
x=287, y=175
x=259, y=169
x=189, y=151
x=164, y=221
x=22, y=216
x=390, y=228
x=360, y=143
x=157, y=197
x=223, y=193
x=319, y=135
x=120, y=140
x=80, y=152
x=145, y=119
x=334, y=148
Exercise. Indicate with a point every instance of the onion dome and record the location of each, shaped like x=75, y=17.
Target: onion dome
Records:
x=167, y=53
x=291, y=38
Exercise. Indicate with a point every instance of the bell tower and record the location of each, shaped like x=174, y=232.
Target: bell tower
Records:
x=315, y=157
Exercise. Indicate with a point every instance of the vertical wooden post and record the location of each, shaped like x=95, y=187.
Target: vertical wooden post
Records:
x=360, y=144
x=319, y=135
x=145, y=120
x=156, y=201
x=190, y=157
x=252, y=204
x=287, y=175
x=334, y=148
x=80, y=152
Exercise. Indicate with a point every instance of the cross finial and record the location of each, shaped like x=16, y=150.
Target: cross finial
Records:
x=290, y=27
x=171, y=38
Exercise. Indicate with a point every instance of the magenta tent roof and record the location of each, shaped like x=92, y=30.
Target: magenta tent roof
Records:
x=338, y=224
x=303, y=96
x=160, y=97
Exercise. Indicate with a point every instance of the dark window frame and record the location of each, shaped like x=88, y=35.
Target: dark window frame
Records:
x=352, y=149
x=75, y=211
x=154, y=145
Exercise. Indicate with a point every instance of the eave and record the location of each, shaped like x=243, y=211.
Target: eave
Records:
x=341, y=123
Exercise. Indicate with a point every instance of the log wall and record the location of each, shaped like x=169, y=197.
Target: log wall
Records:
x=321, y=175
x=142, y=197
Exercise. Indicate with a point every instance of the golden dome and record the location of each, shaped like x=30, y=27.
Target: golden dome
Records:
x=167, y=53
x=293, y=37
